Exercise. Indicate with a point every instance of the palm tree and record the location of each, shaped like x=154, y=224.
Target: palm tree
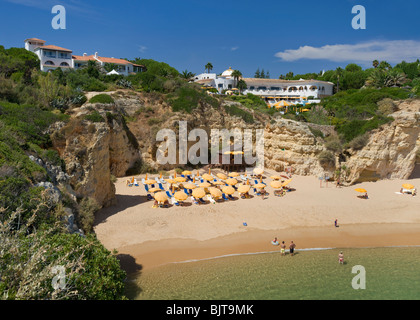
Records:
x=208, y=67
x=375, y=63
x=187, y=75
x=395, y=78
x=385, y=65
x=241, y=85
x=236, y=74
x=377, y=78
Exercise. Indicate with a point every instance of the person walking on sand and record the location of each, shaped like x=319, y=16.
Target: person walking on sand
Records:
x=283, y=248
x=292, y=247
x=336, y=223
x=341, y=258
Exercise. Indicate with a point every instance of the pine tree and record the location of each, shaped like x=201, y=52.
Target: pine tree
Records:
x=257, y=73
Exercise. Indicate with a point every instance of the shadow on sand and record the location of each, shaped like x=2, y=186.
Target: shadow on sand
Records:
x=133, y=270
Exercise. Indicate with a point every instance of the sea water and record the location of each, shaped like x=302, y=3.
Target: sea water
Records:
x=390, y=273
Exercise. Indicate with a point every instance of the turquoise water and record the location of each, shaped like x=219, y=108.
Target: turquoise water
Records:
x=391, y=273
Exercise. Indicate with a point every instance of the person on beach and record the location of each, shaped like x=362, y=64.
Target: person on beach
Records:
x=292, y=247
x=341, y=258
x=283, y=248
x=336, y=223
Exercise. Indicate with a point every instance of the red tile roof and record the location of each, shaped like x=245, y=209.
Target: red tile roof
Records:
x=52, y=47
x=35, y=39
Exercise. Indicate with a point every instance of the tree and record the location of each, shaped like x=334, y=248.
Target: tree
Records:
x=384, y=65
x=187, y=74
x=375, y=63
x=289, y=75
x=110, y=66
x=267, y=76
x=262, y=74
x=208, y=67
x=236, y=74
x=257, y=73
x=338, y=74
x=377, y=78
x=241, y=85
x=395, y=78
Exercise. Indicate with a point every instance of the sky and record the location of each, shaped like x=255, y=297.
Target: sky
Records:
x=279, y=36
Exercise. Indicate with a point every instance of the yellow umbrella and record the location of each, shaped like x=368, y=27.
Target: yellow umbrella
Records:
x=198, y=193
x=276, y=184
x=161, y=197
x=228, y=190
x=408, y=186
x=180, y=195
x=218, y=183
x=305, y=110
x=228, y=152
x=208, y=177
x=180, y=179
x=171, y=181
x=260, y=186
x=244, y=188
x=360, y=190
x=153, y=190
x=231, y=181
x=215, y=192
x=287, y=182
x=233, y=174
x=186, y=172
x=258, y=171
x=237, y=152
x=190, y=186
x=275, y=177
x=150, y=181
x=221, y=176
x=205, y=185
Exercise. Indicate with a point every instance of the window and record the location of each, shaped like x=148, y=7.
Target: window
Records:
x=275, y=88
x=50, y=54
x=64, y=64
x=251, y=88
x=63, y=55
x=49, y=63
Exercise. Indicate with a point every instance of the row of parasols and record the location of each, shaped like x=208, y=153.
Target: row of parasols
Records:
x=406, y=186
x=210, y=185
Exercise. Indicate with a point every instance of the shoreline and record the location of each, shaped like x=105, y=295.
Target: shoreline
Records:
x=152, y=254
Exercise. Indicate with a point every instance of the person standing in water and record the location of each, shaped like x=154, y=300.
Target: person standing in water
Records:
x=292, y=247
x=341, y=258
x=283, y=248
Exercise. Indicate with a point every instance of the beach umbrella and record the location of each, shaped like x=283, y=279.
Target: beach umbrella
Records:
x=208, y=177
x=275, y=177
x=221, y=176
x=276, y=184
x=231, y=181
x=186, y=172
x=205, y=185
x=198, y=193
x=190, y=186
x=218, y=183
x=161, y=197
x=227, y=152
x=215, y=192
x=260, y=186
x=228, y=190
x=153, y=190
x=244, y=188
x=180, y=179
x=408, y=186
x=150, y=181
x=287, y=182
x=171, y=181
x=360, y=190
x=233, y=174
x=180, y=196
x=237, y=152
x=258, y=171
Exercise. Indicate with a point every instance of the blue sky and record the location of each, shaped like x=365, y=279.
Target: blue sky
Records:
x=280, y=36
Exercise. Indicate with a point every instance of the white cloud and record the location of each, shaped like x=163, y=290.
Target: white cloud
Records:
x=142, y=49
x=392, y=51
x=234, y=48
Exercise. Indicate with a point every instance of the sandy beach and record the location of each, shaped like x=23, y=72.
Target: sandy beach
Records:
x=147, y=237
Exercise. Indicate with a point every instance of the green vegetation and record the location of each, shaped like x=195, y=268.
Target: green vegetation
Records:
x=102, y=98
x=187, y=98
x=236, y=111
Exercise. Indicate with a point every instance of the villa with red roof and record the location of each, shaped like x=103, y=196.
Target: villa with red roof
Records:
x=53, y=57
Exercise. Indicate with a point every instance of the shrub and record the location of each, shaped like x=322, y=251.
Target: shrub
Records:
x=359, y=142
x=95, y=116
x=326, y=159
x=386, y=106
x=238, y=112
x=102, y=98
x=87, y=209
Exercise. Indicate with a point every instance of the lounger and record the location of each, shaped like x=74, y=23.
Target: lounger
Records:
x=201, y=200
x=161, y=187
x=143, y=181
x=256, y=192
x=186, y=191
x=136, y=183
x=146, y=187
x=174, y=201
x=149, y=197
x=169, y=194
x=224, y=197
x=230, y=197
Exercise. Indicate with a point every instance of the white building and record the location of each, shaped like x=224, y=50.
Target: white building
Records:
x=272, y=90
x=53, y=57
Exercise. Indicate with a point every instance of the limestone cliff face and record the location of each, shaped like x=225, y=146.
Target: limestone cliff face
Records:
x=391, y=151
x=94, y=149
x=291, y=143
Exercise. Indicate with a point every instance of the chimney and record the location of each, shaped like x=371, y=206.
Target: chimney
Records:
x=85, y=54
x=96, y=54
